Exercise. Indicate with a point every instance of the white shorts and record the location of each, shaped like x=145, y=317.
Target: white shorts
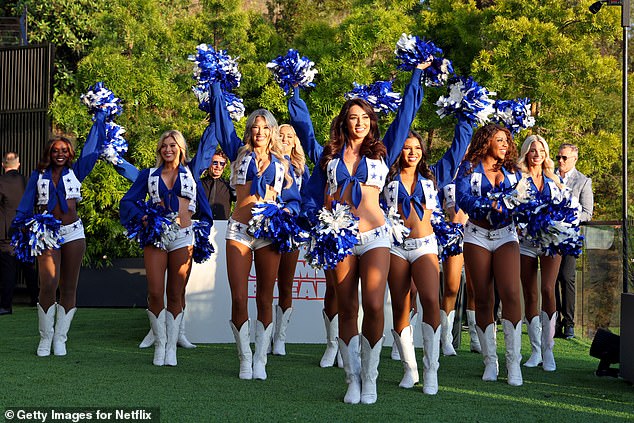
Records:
x=237, y=231
x=489, y=239
x=72, y=232
x=414, y=248
x=528, y=250
x=185, y=238
x=374, y=238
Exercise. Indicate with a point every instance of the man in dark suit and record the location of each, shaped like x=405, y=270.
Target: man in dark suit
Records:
x=581, y=187
x=217, y=190
x=11, y=189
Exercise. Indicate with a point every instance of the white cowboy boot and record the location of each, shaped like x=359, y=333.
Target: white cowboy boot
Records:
x=160, y=336
x=431, y=345
x=446, y=337
x=513, y=341
x=488, y=342
x=548, y=341
x=281, y=323
x=172, y=329
x=535, y=337
x=370, y=357
x=46, y=325
x=473, y=335
x=405, y=346
x=62, y=326
x=148, y=341
x=262, y=341
x=182, y=341
x=352, y=366
x=332, y=348
x=244, y=349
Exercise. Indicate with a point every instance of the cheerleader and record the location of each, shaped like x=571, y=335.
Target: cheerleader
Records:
x=174, y=185
x=353, y=170
x=535, y=163
x=491, y=248
x=259, y=172
x=293, y=152
x=55, y=188
x=411, y=192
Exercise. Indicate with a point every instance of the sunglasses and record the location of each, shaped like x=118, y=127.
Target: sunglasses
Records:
x=217, y=163
x=564, y=158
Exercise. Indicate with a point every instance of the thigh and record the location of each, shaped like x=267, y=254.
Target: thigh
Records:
x=179, y=263
x=528, y=273
x=506, y=272
x=347, y=284
x=373, y=270
x=239, y=260
x=478, y=261
x=72, y=255
x=549, y=270
x=155, y=261
x=267, y=262
x=399, y=282
x=426, y=274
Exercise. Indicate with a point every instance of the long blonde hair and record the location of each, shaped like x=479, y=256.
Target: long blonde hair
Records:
x=548, y=166
x=298, y=158
x=274, y=147
x=180, y=141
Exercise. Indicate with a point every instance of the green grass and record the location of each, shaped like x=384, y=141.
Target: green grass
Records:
x=104, y=368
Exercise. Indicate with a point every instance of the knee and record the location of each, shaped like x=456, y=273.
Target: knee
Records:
x=373, y=308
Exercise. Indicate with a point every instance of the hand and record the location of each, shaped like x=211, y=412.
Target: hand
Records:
x=144, y=221
x=426, y=64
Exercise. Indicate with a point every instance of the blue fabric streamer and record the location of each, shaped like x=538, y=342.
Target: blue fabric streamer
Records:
x=99, y=97
x=467, y=99
x=114, y=146
x=449, y=235
x=412, y=50
x=35, y=234
x=270, y=221
x=202, y=246
x=514, y=114
x=334, y=236
x=292, y=69
x=379, y=95
x=159, y=230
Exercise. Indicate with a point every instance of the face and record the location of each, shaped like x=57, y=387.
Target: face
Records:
x=358, y=123
x=536, y=154
x=260, y=132
x=287, y=137
x=170, y=151
x=566, y=159
x=498, y=146
x=217, y=166
x=412, y=152
x=59, y=153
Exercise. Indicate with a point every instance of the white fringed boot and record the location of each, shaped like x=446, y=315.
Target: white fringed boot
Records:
x=513, y=344
x=473, y=335
x=282, y=318
x=534, y=329
x=352, y=366
x=370, y=358
x=405, y=346
x=160, y=336
x=488, y=342
x=446, y=337
x=548, y=341
x=431, y=344
x=46, y=325
x=244, y=349
x=262, y=342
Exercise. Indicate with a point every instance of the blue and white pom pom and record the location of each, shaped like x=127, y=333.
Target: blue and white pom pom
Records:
x=114, y=146
x=411, y=51
x=397, y=226
x=449, y=235
x=34, y=235
x=99, y=97
x=160, y=229
x=334, y=236
x=293, y=69
x=514, y=114
x=270, y=221
x=203, y=249
x=468, y=99
x=234, y=104
x=215, y=66
x=509, y=199
x=379, y=95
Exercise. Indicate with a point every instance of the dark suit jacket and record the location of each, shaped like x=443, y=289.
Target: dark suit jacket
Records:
x=11, y=189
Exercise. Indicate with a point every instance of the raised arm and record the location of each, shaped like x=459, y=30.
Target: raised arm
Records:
x=127, y=170
x=206, y=149
x=313, y=192
x=398, y=131
x=303, y=125
x=446, y=168
x=224, y=130
x=471, y=204
x=90, y=152
x=128, y=208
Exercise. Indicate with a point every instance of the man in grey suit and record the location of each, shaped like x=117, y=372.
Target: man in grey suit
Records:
x=581, y=187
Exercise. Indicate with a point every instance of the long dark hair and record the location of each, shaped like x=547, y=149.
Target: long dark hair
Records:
x=45, y=160
x=481, y=142
x=422, y=167
x=372, y=147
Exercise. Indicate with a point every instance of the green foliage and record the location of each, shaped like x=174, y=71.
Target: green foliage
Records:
x=556, y=53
